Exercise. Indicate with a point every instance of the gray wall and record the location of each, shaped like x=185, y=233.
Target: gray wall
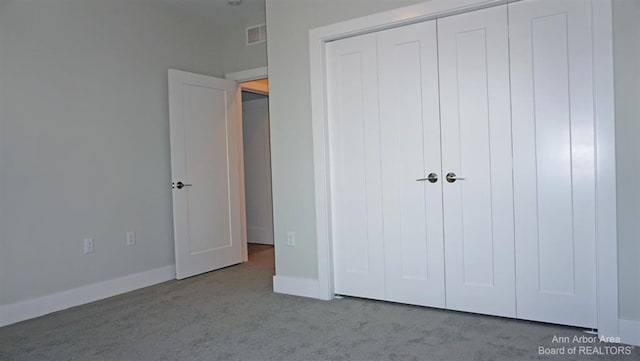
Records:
x=237, y=55
x=257, y=168
x=627, y=76
x=84, y=137
x=288, y=24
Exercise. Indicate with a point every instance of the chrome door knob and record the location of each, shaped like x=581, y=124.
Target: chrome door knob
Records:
x=432, y=177
x=451, y=177
x=180, y=185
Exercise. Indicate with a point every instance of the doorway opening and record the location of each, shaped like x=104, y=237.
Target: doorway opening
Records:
x=257, y=168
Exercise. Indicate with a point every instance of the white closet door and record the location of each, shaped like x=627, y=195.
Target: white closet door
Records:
x=554, y=161
x=356, y=194
x=410, y=137
x=476, y=145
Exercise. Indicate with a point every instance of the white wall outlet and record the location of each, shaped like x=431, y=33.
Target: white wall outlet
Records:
x=88, y=246
x=131, y=238
x=291, y=239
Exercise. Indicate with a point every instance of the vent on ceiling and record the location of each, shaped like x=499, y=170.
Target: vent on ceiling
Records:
x=257, y=34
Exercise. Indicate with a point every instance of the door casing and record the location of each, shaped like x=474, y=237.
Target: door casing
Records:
x=241, y=76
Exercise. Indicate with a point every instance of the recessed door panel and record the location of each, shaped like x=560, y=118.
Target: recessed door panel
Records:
x=356, y=196
x=476, y=152
x=410, y=138
x=554, y=168
x=206, y=158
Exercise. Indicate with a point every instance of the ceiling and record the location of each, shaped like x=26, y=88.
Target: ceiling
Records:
x=220, y=10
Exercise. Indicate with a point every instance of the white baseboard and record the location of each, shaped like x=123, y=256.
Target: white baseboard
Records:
x=630, y=332
x=40, y=306
x=304, y=287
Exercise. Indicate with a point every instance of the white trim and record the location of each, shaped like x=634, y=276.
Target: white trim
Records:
x=606, y=216
x=398, y=17
x=304, y=287
x=319, y=126
x=250, y=74
x=603, y=96
x=243, y=198
x=40, y=306
x=630, y=332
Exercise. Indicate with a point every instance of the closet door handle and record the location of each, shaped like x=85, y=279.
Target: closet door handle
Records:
x=180, y=185
x=451, y=177
x=432, y=177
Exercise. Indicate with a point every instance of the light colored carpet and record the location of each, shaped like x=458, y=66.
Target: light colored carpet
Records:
x=232, y=314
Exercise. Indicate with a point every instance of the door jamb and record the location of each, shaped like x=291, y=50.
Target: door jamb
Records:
x=241, y=76
x=602, y=39
x=249, y=74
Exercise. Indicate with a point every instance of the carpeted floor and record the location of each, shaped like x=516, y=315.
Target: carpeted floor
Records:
x=256, y=248
x=232, y=314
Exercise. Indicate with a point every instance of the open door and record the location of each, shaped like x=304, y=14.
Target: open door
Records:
x=205, y=168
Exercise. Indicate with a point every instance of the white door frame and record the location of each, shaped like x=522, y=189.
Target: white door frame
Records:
x=245, y=75
x=249, y=74
x=607, y=254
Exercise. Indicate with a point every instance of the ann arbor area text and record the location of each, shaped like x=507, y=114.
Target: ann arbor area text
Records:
x=584, y=339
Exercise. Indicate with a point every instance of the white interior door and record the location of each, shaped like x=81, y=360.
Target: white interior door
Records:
x=410, y=138
x=476, y=145
x=554, y=168
x=356, y=195
x=257, y=170
x=205, y=158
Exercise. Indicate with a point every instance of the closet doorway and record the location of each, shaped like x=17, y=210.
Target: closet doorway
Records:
x=427, y=132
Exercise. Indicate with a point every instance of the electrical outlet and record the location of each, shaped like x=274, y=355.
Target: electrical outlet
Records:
x=131, y=238
x=291, y=239
x=88, y=246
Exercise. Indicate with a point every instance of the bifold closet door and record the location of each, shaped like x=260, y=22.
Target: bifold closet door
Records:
x=410, y=138
x=356, y=190
x=554, y=154
x=476, y=146
x=385, y=141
